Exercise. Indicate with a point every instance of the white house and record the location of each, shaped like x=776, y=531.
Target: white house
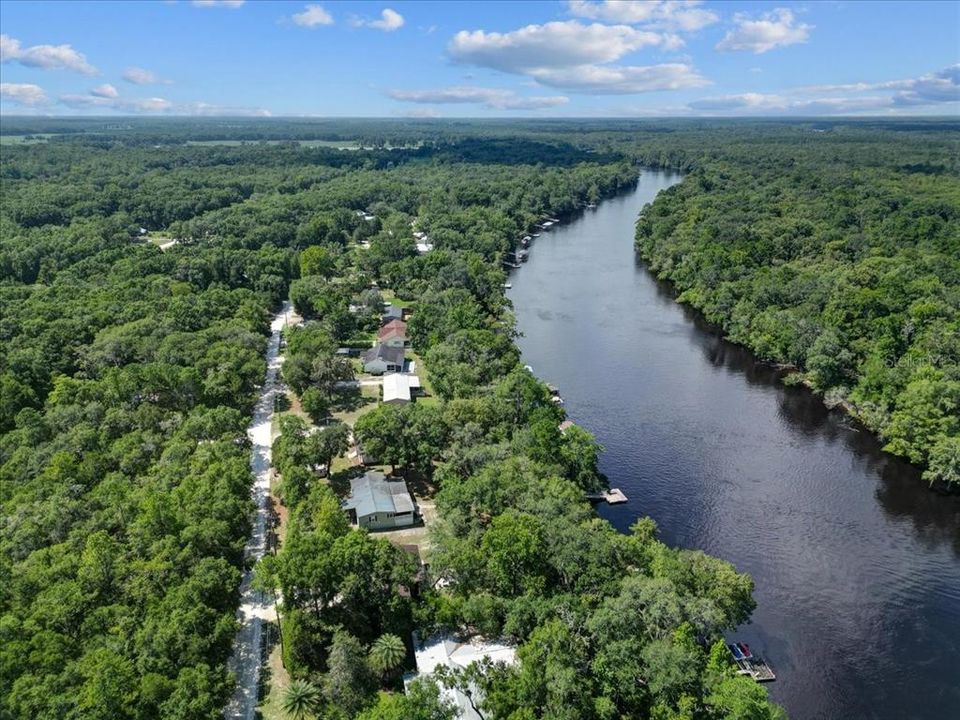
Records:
x=399, y=388
x=456, y=652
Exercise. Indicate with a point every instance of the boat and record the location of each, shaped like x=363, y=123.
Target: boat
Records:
x=745, y=649
x=736, y=652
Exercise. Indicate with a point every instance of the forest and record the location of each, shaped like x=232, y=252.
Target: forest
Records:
x=839, y=258
x=129, y=374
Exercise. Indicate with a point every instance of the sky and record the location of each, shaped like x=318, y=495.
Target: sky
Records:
x=578, y=58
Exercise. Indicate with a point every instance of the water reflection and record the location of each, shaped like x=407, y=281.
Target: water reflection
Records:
x=855, y=561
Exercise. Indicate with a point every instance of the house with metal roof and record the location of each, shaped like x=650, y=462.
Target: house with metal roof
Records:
x=400, y=388
x=391, y=312
x=383, y=359
x=377, y=503
x=457, y=652
x=393, y=334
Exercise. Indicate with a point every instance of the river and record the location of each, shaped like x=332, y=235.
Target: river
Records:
x=856, y=563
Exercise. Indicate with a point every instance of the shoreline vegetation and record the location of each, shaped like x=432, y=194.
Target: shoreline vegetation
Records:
x=129, y=374
x=839, y=264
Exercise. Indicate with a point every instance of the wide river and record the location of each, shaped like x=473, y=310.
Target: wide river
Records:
x=856, y=563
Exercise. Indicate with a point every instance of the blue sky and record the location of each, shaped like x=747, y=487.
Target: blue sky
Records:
x=478, y=59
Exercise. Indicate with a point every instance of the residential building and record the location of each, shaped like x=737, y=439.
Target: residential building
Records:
x=450, y=651
x=393, y=334
x=399, y=388
x=376, y=503
x=382, y=359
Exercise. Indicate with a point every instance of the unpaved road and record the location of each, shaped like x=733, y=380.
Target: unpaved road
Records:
x=254, y=606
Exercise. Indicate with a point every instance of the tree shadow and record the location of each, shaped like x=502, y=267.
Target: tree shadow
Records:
x=349, y=399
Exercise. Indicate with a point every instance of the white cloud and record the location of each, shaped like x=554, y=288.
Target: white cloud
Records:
x=100, y=99
x=771, y=104
x=231, y=4
x=576, y=57
x=140, y=76
x=389, y=21
x=23, y=94
x=666, y=14
x=491, y=98
x=772, y=30
x=621, y=80
x=930, y=89
x=552, y=45
x=105, y=91
x=935, y=90
x=312, y=16
x=47, y=57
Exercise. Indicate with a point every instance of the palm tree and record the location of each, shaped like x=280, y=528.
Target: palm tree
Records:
x=387, y=653
x=300, y=700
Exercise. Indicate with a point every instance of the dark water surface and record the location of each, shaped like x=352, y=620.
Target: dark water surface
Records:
x=856, y=563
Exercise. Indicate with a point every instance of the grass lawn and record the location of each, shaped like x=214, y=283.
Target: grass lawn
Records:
x=25, y=139
x=335, y=144
x=275, y=680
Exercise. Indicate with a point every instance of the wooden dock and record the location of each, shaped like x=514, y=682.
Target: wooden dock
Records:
x=749, y=664
x=613, y=496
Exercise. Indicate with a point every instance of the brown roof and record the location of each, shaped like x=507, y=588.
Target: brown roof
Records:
x=392, y=329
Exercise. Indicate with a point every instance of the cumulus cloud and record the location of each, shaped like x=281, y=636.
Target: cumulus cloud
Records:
x=889, y=96
x=576, y=57
x=389, y=21
x=312, y=16
x=680, y=15
x=772, y=104
x=231, y=4
x=106, y=97
x=25, y=94
x=552, y=45
x=934, y=88
x=47, y=57
x=774, y=29
x=105, y=91
x=490, y=98
x=621, y=80
x=140, y=76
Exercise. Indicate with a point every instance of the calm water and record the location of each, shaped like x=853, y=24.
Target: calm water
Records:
x=856, y=563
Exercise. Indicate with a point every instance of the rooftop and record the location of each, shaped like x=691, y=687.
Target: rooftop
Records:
x=398, y=386
x=373, y=493
x=391, y=355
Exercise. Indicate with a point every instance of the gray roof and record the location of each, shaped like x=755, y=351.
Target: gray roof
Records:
x=391, y=355
x=392, y=312
x=373, y=493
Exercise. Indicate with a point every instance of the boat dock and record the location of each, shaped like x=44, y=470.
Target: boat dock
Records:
x=613, y=496
x=749, y=664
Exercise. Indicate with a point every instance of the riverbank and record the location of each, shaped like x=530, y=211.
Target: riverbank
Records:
x=726, y=458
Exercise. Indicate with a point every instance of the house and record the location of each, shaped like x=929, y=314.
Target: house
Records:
x=450, y=651
x=376, y=503
x=382, y=359
x=393, y=334
x=400, y=388
x=424, y=247
x=391, y=312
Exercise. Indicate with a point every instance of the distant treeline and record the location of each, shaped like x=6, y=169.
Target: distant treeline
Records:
x=837, y=253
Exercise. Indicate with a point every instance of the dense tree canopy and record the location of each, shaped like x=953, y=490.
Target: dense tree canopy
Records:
x=128, y=373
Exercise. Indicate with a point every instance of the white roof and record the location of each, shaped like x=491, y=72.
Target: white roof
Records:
x=452, y=652
x=397, y=386
x=424, y=247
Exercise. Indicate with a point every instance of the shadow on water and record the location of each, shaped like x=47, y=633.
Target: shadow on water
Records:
x=855, y=561
x=900, y=491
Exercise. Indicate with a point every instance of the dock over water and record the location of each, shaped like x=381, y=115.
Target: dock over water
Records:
x=613, y=496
